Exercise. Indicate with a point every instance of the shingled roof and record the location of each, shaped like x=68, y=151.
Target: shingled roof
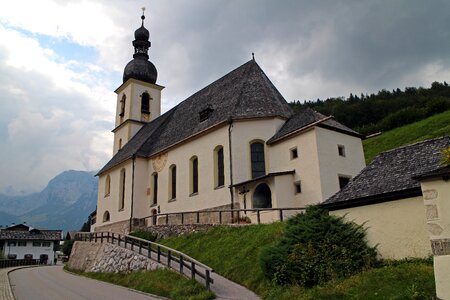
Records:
x=34, y=234
x=306, y=118
x=245, y=92
x=390, y=175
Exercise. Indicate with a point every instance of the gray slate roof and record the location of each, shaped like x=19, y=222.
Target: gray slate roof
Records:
x=41, y=235
x=306, y=117
x=390, y=175
x=244, y=93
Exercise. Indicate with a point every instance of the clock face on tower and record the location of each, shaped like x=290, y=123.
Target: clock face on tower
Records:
x=159, y=162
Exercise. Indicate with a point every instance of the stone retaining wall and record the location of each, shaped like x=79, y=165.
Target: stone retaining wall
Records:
x=164, y=231
x=122, y=227
x=106, y=257
x=206, y=216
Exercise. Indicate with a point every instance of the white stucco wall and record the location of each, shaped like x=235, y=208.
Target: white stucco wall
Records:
x=397, y=227
x=110, y=202
x=331, y=164
x=30, y=249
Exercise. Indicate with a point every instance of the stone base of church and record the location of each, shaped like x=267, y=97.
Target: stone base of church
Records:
x=205, y=216
x=122, y=227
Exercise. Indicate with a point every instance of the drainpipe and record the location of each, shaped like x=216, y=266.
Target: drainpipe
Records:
x=230, y=126
x=132, y=192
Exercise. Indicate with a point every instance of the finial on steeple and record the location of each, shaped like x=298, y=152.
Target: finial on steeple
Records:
x=253, y=56
x=143, y=16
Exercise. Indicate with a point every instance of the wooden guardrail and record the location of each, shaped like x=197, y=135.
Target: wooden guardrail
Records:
x=221, y=212
x=7, y=263
x=162, y=254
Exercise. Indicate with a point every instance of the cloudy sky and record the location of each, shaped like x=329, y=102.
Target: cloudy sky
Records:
x=60, y=62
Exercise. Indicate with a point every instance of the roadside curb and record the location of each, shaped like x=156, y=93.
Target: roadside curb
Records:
x=6, y=292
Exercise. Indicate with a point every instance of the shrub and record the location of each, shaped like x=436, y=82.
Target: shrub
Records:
x=67, y=247
x=146, y=235
x=317, y=247
x=446, y=157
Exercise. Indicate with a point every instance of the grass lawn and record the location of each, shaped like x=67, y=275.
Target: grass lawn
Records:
x=159, y=282
x=432, y=127
x=233, y=252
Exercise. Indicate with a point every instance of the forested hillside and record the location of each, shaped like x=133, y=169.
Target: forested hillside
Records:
x=385, y=110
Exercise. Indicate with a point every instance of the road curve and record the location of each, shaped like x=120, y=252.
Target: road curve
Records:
x=52, y=283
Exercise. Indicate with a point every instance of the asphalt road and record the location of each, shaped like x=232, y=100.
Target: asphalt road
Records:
x=52, y=283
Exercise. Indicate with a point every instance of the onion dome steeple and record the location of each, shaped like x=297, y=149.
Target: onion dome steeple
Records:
x=140, y=67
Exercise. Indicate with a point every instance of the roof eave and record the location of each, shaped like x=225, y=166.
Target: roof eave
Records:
x=374, y=199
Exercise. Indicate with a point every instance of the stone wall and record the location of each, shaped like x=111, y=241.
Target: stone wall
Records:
x=164, y=231
x=205, y=216
x=122, y=227
x=106, y=257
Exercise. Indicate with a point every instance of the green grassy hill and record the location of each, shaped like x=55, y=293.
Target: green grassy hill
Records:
x=432, y=127
x=233, y=252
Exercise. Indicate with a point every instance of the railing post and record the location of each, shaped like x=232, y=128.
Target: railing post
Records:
x=159, y=253
x=192, y=270
x=140, y=247
x=101, y=237
x=258, y=215
x=167, y=219
x=125, y=240
x=95, y=238
x=281, y=214
x=182, y=218
x=207, y=279
x=169, y=257
x=132, y=245
x=149, y=250
x=181, y=264
x=198, y=217
x=220, y=217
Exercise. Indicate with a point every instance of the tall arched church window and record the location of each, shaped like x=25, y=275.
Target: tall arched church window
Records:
x=219, y=177
x=173, y=182
x=194, y=175
x=122, y=189
x=155, y=188
x=107, y=185
x=122, y=105
x=145, y=103
x=257, y=159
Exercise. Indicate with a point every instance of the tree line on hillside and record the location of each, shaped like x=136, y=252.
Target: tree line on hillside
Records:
x=384, y=110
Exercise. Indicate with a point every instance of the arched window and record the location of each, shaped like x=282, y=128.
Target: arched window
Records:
x=262, y=197
x=122, y=190
x=145, y=103
x=155, y=188
x=173, y=182
x=107, y=185
x=122, y=105
x=219, y=174
x=257, y=159
x=194, y=175
x=106, y=217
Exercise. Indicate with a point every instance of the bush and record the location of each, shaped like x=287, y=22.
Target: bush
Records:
x=67, y=247
x=317, y=247
x=145, y=235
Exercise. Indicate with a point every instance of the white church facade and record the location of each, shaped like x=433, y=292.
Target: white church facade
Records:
x=234, y=144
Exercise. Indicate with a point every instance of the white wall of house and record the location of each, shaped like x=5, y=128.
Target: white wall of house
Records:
x=397, y=227
x=36, y=251
x=331, y=164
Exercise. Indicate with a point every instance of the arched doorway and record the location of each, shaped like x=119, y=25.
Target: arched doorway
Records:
x=262, y=197
x=154, y=217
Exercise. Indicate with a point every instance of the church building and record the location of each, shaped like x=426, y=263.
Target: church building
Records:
x=236, y=143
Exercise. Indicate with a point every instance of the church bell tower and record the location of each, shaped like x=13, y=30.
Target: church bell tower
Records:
x=139, y=97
